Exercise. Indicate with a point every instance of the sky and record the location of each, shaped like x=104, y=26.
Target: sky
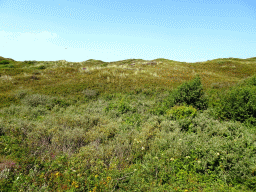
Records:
x=114, y=30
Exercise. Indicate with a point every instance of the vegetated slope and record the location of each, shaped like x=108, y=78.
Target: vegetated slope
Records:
x=129, y=125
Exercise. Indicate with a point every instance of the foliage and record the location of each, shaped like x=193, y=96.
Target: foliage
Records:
x=192, y=94
x=30, y=62
x=181, y=112
x=115, y=129
x=3, y=62
x=239, y=104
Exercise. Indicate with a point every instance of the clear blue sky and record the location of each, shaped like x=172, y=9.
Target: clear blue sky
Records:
x=113, y=30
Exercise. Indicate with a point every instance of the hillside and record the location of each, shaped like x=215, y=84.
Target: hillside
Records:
x=131, y=125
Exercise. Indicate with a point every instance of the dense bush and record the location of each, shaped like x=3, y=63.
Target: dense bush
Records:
x=181, y=112
x=239, y=104
x=4, y=62
x=191, y=93
x=41, y=67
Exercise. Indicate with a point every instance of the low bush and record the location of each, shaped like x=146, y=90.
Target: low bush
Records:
x=3, y=62
x=181, y=112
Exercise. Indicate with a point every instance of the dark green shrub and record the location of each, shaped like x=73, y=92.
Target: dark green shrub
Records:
x=41, y=67
x=191, y=93
x=239, y=104
x=3, y=62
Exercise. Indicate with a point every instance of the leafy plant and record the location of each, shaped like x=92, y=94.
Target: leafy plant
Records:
x=192, y=94
x=239, y=104
x=181, y=112
x=3, y=62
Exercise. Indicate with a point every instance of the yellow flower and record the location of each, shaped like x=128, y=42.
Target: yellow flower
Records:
x=96, y=176
x=108, y=178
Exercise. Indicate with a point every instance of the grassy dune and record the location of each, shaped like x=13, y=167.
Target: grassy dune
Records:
x=130, y=125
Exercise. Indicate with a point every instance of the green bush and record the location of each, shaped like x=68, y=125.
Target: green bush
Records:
x=181, y=112
x=239, y=104
x=3, y=62
x=41, y=67
x=191, y=93
x=30, y=62
x=37, y=99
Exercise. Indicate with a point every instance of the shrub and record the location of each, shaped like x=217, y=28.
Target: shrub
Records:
x=191, y=93
x=41, y=67
x=30, y=62
x=181, y=112
x=90, y=93
x=3, y=62
x=37, y=99
x=238, y=104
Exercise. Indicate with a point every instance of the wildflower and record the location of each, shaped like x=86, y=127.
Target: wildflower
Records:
x=142, y=148
x=172, y=159
x=218, y=154
x=187, y=157
x=96, y=176
x=108, y=178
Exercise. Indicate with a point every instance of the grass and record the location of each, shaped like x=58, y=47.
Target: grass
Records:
x=130, y=125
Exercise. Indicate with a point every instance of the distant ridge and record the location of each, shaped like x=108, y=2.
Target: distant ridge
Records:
x=3, y=58
x=252, y=58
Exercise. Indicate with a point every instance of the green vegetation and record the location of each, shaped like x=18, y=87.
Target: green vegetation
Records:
x=129, y=125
